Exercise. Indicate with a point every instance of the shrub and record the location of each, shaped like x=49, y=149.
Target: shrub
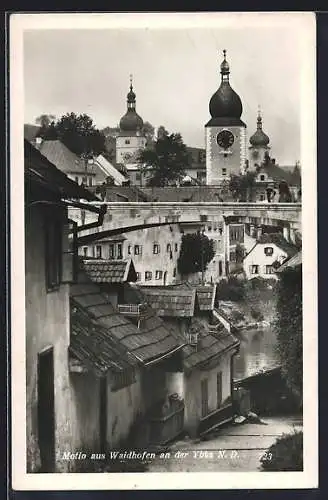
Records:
x=257, y=315
x=233, y=290
x=286, y=454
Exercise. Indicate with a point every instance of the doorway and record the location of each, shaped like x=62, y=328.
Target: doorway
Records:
x=46, y=410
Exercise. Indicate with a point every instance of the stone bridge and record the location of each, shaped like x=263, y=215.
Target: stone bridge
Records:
x=129, y=216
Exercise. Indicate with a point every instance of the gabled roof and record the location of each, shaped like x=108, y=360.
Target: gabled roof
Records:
x=42, y=173
x=275, y=239
x=93, y=345
x=291, y=263
x=212, y=341
x=110, y=271
x=150, y=342
x=171, y=302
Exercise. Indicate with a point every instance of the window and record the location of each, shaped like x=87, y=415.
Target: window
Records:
x=220, y=230
x=232, y=257
x=138, y=276
x=262, y=177
x=203, y=218
x=254, y=269
x=236, y=234
x=98, y=252
x=137, y=249
x=119, y=251
x=129, y=249
x=269, y=270
x=224, y=171
x=85, y=251
x=156, y=248
x=220, y=267
x=111, y=253
x=138, y=177
x=127, y=141
x=219, y=389
x=175, y=247
x=76, y=180
x=268, y=250
x=84, y=180
x=262, y=197
x=53, y=232
x=90, y=181
x=158, y=275
x=168, y=247
x=209, y=228
x=148, y=275
x=204, y=396
x=174, y=272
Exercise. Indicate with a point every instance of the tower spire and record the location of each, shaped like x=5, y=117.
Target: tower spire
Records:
x=131, y=82
x=259, y=118
x=225, y=69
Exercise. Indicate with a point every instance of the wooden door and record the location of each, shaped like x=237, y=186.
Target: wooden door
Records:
x=46, y=410
x=204, y=397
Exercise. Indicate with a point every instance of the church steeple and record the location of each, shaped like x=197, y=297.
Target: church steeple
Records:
x=259, y=138
x=131, y=121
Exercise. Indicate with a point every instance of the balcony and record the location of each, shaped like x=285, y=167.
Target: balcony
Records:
x=133, y=310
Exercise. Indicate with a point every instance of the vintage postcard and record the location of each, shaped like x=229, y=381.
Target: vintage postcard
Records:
x=163, y=251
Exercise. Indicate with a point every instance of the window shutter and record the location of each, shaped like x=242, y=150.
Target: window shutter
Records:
x=69, y=252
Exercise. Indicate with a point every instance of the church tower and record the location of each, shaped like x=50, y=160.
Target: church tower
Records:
x=225, y=133
x=130, y=139
x=259, y=145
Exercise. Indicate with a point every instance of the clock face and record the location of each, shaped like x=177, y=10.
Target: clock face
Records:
x=225, y=139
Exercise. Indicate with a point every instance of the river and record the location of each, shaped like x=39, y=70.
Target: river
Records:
x=257, y=352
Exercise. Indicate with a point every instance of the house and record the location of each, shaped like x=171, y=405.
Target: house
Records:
x=268, y=253
x=292, y=263
x=206, y=382
x=277, y=183
x=131, y=406
x=50, y=266
x=82, y=171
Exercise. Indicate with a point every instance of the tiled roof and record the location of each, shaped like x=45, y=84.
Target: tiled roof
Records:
x=110, y=271
x=279, y=240
x=293, y=262
x=152, y=340
x=190, y=193
x=205, y=294
x=171, y=302
x=211, y=342
x=41, y=172
x=93, y=345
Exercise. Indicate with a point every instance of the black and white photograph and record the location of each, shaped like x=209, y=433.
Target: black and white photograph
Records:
x=163, y=201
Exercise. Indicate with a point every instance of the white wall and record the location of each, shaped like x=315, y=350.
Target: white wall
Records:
x=258, y=257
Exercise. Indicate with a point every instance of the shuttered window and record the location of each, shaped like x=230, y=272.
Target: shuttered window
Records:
x=70, y=252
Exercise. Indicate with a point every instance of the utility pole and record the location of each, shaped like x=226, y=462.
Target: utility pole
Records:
x=202, y=253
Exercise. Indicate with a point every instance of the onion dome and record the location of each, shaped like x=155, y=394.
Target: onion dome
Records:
x=131, y=121
x=259, y=139
x=225, y=103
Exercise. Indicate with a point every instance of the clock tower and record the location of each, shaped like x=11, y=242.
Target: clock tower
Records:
x=259, y=145
x=130, y=139
x=225, y=133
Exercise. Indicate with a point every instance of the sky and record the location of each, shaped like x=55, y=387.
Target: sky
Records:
x=175, y=72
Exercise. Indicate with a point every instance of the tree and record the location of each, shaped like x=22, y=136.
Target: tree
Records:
x=289, y=327
x=196, y=251
x=241, y=186
x=284, y=193
x=166, y=160
x=45, y=120
x=148, y=131
x=78, y=133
